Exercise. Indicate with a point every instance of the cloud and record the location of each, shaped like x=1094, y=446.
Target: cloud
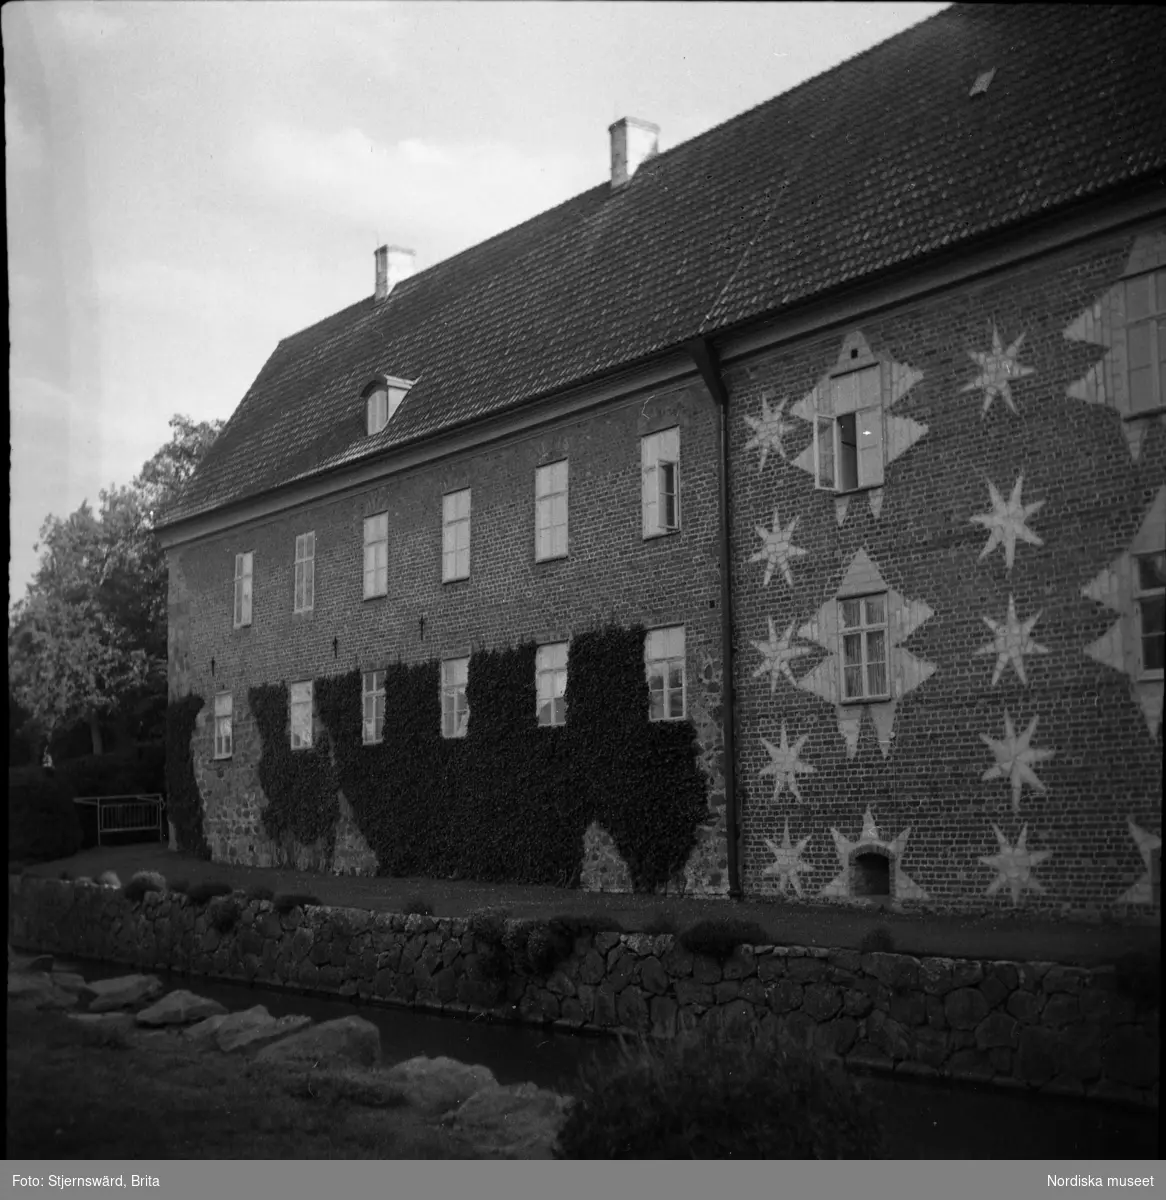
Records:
x=413, y=191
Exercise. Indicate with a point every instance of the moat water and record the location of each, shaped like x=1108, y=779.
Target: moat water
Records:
x=924, y=1119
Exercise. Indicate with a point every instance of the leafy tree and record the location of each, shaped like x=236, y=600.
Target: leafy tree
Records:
x=90, y=636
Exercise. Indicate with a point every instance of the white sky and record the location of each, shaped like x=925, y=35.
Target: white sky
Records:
x=188, y=182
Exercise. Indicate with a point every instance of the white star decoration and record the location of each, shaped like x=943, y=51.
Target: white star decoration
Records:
x=785, y=766
x=787, y=862
x=778, y=654
x=1142, y=892
x=768, y=430
x=1007, y=522
x=1102, y=384
x=1015, y=757
x=904, y=671
x=1011, y=641
x=777, y=549
x=997, y=368
x=905, y=888
x=1014, y=865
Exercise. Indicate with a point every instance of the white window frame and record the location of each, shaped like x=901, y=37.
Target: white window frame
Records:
x=550, y=684
x=376, y=555
x=550, y=511
x=1154, y=322
x=849, y=402
x=863, y=630
x=664, y=649
x=304, y=600
x=455, y=536
x=301, y=696
x=660, y=482
x=1141, y=594
x=244, y=587
x=224, y=712
x=382, y=398
x=455, y=712
x=373, y=708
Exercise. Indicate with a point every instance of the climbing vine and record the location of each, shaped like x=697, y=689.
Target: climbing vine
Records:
x=183, y=801
x=300, y=785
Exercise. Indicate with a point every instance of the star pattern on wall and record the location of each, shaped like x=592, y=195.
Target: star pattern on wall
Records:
x=905, y=671
x=1015, y=759
x=787, y=862
x=899, y=433
x=777, y=654
x=1008, y=521
x=1142, y=892
x=1104, y=384
x=1112, y=588
x=905, y=888
x=777, y=549
x=1013, y=866
x=998, y=370
x=1011, y=641
x=769, y=430
x=785, y=764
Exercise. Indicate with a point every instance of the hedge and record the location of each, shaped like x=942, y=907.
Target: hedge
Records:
x=42, y=819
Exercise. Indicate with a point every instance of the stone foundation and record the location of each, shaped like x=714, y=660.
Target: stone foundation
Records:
x=1031, y=1025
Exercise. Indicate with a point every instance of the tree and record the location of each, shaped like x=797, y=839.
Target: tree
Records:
x=90, y=636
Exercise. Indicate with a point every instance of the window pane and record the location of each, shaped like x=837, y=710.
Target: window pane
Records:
x=676, y=703
x=1142, y=394
x=649, y=497
x=852, y=649
x=877, y=679
x=1139, y=343
x=875, y=610
x=845, y=393
x=876, y=646
x=1153, y=612
x=676, y=676
x=666, y=481
x=545, y=715
x=1161, y=304
x=847, y=453
x=1138, y=299
x=656, y=699
x=852, y=682
x=825, y=453
x=870, y=447
x=1151, y=571
x=851, y=614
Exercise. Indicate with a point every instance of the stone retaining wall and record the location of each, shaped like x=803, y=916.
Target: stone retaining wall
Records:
x=1037, y=1025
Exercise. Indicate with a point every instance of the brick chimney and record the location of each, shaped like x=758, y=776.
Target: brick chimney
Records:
x=633, y=142
x=393, y=265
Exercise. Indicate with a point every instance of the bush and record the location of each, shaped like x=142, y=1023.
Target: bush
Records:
x=878, y=939
x=141, y=883
x=418, y=906
x=286, y=901
x=718, y=938
x=42, y=818
x=1137, y=977
x=203, y=893
x=140, y=770
x=224, y=914
x=711, y=1095
x=260, y=893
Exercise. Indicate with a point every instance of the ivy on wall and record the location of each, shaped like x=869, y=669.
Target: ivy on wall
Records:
x=511, y=800
x=183, y=801
x=300, y=785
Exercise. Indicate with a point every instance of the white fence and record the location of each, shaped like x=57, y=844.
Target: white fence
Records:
x=126, y=814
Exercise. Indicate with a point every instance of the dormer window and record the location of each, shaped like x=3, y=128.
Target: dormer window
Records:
x=382, y=398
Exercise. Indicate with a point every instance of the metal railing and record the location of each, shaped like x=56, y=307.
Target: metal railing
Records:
x=126, y=814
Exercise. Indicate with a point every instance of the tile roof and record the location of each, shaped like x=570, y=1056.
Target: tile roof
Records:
x=870, y=165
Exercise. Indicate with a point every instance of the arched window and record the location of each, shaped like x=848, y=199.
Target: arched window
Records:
x=382, y=398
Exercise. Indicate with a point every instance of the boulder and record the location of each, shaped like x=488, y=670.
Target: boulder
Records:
x=437, y=1085
x=254, y=1028
x=180, y=1008
x=204, y=1032
x=38, y=990
x=346, y=1039
x=69, y=981
x=126, y=991
x=512, y=1121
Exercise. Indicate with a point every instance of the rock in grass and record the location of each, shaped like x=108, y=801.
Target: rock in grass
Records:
x=204, y=1033
x=127, y=991
x=39, y=990
x=180, y=1008
x=516, y=1120
x=436, y=1085
x=70, y=981
x=346, y=1039
x=103, y=1029
x=254, y=1028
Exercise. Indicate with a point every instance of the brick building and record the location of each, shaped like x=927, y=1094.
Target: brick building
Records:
x=854, y=405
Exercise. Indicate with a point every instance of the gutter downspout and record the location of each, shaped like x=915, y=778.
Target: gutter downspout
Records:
x=704, y=356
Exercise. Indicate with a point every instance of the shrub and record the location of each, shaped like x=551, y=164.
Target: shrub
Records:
x=719, y=937
x=877, y=939
x=418, y=906
x=1137, y=978
x=180, y=886
x=42, y=818
x=260, y=892
x=286, y=901
x=203, y=893
x=224, y=914
x=141, y=883
x=659, y=923
x=109, y=879
x=710, y=1095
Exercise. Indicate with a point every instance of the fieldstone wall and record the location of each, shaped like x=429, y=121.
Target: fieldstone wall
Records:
x=1033, y=1025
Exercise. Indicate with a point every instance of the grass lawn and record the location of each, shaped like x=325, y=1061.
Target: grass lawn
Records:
x=68, y=1098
